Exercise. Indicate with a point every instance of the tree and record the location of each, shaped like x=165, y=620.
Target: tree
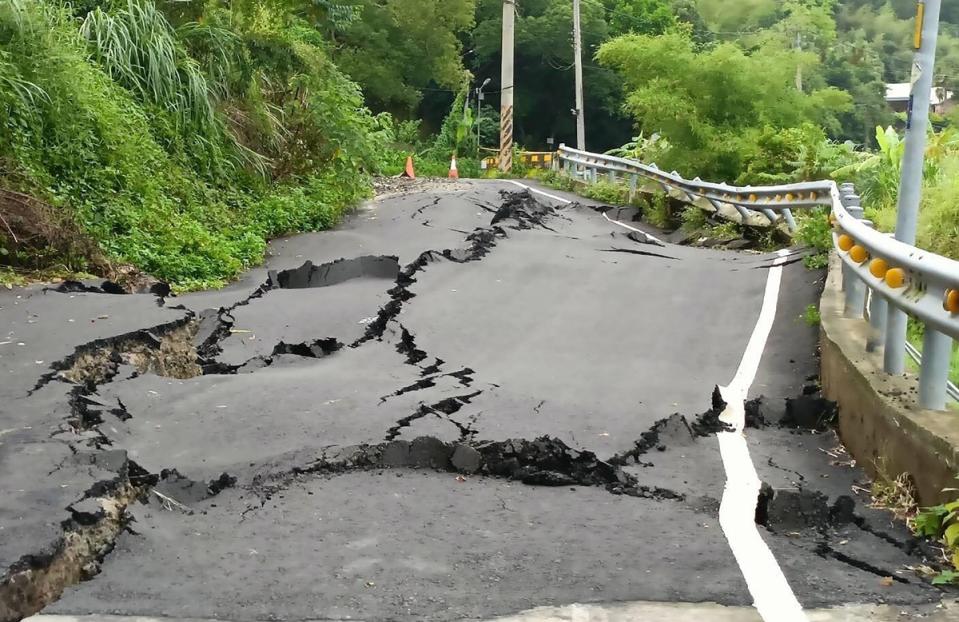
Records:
x=647, y=17
x=712, y=105
x=395, y=48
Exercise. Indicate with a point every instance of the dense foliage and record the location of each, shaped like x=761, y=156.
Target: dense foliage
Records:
x=713, y=105
x=179, y=149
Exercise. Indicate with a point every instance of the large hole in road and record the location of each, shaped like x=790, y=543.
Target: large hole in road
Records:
x=328, y=274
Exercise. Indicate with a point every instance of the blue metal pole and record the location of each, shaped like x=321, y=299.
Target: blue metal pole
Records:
x=936, y=359
x=910, y=188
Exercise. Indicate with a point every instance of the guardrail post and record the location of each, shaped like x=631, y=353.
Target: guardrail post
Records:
x=854, y=287
x=633, y=184
x=594, y=174
x=612, y=177
x=877, y=320
x=894, y=355
x=934, y=376
x=771, y=215
x=790, y=221
x=743, y=212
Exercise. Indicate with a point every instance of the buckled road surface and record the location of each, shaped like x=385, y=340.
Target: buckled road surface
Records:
x=470, y=401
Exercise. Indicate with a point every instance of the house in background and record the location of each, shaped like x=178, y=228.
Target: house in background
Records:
x=897, y=96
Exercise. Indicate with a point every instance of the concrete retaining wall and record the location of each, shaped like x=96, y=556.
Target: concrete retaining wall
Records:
x=880, y=421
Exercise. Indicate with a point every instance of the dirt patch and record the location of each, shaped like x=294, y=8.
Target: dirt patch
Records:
x=810, y=412
x=397, y=186
x=34, y=583
x=169, y=353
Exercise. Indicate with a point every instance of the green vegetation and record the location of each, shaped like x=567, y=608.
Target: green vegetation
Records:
x=117, y=131
x=811, y=316
x=606, y=192
x=941, y=523
x=656, y=209
x=714, y=105
x=180, y=136
x=694, y=219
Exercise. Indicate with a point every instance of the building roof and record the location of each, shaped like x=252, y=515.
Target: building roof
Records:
x=900, y=91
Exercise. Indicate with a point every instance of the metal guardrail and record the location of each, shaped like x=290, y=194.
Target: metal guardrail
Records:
x=894, y=277
x=951, y=389
x=897, y=278
x=754, y=205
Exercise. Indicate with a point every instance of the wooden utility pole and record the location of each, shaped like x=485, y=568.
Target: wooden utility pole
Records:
x=506, y=97
x=578, y=53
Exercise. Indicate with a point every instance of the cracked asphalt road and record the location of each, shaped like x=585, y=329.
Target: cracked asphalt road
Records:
x=471, y=403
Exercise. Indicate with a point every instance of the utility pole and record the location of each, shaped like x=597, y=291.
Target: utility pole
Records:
x=479, y=111
x=578, y=53
x=799, y=63
x=506, y=97
x=910, y=187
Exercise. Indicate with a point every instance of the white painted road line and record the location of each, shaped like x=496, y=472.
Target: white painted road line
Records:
x=622, y=224
x=540, y=192
x=772, y=596
x=567, y=202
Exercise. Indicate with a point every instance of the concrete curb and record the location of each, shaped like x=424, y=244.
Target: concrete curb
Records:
x=630, y=612
x=880, y=421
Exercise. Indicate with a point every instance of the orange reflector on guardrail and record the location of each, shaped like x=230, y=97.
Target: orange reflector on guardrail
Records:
x=846, y=243
x=858, y=254
x=952, y=301
x=896, y=278
x=878, y=268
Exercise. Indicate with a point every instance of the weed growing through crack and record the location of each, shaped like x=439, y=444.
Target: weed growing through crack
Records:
x=894, y=494
x=812, y=316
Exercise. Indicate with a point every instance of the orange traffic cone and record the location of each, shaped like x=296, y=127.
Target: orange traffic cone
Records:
x=454, y=174
x=409, y=172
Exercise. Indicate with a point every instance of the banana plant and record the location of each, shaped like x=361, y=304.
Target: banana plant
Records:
x=879, y=174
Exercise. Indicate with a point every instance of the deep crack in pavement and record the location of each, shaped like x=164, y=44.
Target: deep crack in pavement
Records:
x=381, y=396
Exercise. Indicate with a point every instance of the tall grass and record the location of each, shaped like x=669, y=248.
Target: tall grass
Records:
x=14, y=20
x=122, y=132
x=140, y=50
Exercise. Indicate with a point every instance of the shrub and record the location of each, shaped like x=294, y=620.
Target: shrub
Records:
x=606, y=192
